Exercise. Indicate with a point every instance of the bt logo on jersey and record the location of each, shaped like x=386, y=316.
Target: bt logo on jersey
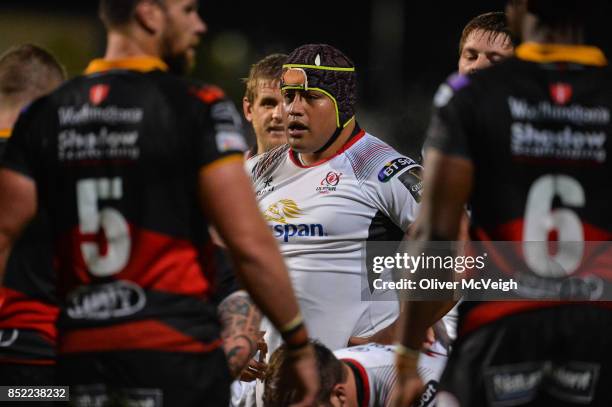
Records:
x=284, y=209
x=394, y=167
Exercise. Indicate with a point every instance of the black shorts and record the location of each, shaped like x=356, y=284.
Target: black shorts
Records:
x=559, y=356
x=146, y=378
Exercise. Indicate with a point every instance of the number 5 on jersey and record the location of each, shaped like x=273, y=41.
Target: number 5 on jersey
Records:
x=106, y=250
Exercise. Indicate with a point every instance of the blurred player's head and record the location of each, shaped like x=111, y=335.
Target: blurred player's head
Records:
x=169, y=28
x=27, y=72
x=526, y=17
x=486, y=40
x=337, y=383
x=319, y=89
x=263, y=103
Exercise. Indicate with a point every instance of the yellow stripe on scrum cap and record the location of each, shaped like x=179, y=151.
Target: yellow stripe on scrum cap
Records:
x=324, y=68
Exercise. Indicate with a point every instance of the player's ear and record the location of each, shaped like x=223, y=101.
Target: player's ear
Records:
x=338, y=395
x=247, y=109
x=150, y=16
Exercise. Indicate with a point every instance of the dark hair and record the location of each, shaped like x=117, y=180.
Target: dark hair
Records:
x=114, y=13
x=269, y=68
x=27, y=71
x=494, y=24
x=280, y=390
x=559, y=13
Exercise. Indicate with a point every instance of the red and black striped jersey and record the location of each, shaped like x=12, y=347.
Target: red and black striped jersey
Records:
x=116, y=155
x=537, y=130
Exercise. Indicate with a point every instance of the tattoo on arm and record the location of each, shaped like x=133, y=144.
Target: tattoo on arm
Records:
x=240, y=320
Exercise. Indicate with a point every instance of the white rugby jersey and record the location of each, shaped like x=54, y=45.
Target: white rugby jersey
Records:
x=322, y=214
x=374, y=367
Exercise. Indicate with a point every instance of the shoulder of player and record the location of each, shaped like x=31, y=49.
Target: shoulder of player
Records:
x=265, y=163
x=465, y=87
x=372, y=158
x=33, y=112
x=187, y=92
x=204, y=92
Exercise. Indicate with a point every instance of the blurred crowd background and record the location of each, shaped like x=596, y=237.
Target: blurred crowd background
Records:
x=402, y=49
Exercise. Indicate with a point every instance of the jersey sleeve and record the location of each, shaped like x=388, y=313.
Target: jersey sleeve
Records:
x=22, y=149
x=452, y=118
x=395, y=188
x=218, y=132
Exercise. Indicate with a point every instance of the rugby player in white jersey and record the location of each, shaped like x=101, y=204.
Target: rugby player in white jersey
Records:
x=263, y=106
x=327, y=192
x=360, y=376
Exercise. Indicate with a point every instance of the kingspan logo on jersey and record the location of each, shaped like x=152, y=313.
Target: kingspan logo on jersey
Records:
x=393, y=168
x=281, y=213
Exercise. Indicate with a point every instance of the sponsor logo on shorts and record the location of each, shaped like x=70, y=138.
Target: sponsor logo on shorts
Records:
x=393, y=168
x=98, y=395
x=113, y=300
x=8, y=337
x=510, y=385
x=283, y=212
x=574, y=382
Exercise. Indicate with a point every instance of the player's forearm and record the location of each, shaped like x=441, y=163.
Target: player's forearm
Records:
x=226, y=190
x=416, y=318
x=240, y=320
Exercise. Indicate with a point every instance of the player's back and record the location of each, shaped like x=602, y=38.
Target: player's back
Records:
x=542, y=134
x=536, y=129
x=117, y=167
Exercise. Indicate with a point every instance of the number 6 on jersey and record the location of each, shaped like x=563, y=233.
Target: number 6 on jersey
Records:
x=541, y=218
x=107, y=256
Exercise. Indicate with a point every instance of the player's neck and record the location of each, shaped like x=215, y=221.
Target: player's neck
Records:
x=8, y=117
x=345, y=134
x=127, y=44
x=534, y=32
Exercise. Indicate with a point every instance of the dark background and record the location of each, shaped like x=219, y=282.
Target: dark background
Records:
x=402, y=49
